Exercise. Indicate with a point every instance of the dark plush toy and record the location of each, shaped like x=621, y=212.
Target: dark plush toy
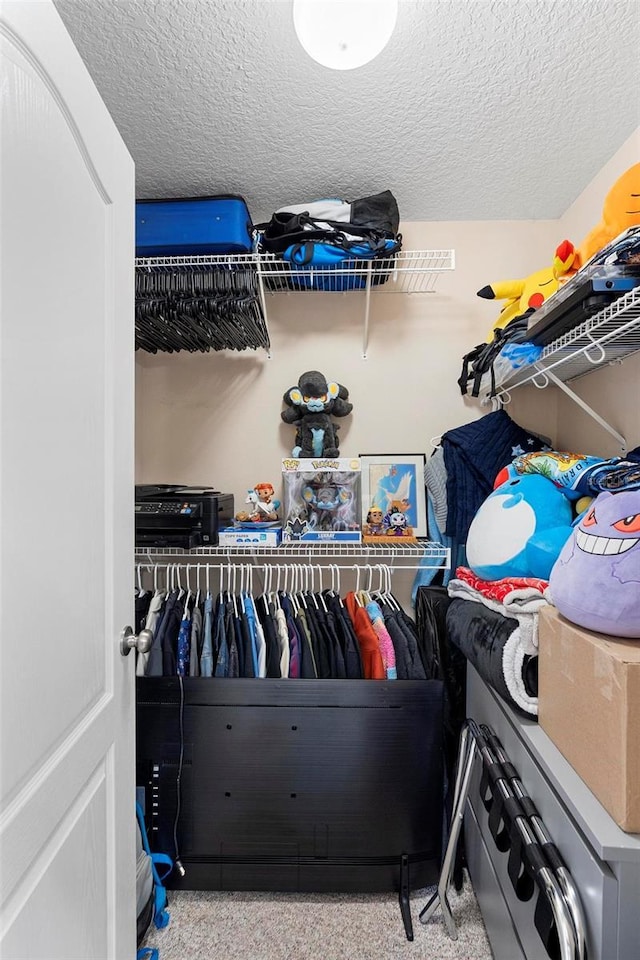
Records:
x=309, y=405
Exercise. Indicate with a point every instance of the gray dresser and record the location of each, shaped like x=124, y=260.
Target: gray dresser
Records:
x=604, y=861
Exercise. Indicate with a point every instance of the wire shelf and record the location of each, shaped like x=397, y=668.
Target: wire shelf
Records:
x=607, y=337
x=409, y=271
x=423, y=553
x=196, y=264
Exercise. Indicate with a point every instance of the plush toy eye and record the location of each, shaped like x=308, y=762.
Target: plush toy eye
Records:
x=590, y=519
x=629, y=524
x=306, y=399
x=323, y=398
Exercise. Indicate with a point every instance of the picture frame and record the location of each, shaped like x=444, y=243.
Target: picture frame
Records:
x=393, y=479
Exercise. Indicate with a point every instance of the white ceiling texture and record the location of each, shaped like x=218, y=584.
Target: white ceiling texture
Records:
x=476, y=109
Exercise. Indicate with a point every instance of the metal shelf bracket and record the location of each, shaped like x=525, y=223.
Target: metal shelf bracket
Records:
x=552, y=378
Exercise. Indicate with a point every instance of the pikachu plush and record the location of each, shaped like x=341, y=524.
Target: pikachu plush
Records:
x=529, y=292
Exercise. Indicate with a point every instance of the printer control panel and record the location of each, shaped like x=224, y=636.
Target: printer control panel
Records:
x=168, y=507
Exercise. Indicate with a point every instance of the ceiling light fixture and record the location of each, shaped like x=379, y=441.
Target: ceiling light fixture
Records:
x=344, y=34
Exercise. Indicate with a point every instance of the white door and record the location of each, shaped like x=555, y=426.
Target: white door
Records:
x=67, y=873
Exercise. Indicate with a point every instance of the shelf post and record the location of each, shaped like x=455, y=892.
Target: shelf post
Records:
x=367, y=305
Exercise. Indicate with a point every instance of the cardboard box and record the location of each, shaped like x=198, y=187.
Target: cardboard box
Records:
x=589, y=705
x=235, y=537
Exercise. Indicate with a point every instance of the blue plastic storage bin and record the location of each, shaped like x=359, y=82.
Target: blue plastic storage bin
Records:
x=193, y=226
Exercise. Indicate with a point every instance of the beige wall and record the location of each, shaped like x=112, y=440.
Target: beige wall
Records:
x=613, y=391
x=215, y=418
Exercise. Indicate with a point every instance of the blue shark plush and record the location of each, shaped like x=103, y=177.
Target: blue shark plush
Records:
x=519, y=530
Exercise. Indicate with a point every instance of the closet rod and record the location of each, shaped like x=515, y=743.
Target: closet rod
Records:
x=151, y=565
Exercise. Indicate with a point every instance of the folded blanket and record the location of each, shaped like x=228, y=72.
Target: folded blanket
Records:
x=483, y=636
x=510, y=647
x=514, y=593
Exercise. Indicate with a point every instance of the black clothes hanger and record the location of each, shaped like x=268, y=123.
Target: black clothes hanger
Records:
x=198, y=308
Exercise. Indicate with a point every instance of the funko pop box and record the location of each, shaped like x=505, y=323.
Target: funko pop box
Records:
x=321, y=500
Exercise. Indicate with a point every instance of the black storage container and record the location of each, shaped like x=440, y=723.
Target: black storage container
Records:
x=316, y=785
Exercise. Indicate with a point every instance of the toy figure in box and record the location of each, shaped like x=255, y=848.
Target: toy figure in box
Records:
x=325, y=498
x=308, y=406
x=263, y=505
x=321, y=499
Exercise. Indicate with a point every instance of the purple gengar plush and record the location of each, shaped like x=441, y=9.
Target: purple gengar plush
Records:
x=595, y=582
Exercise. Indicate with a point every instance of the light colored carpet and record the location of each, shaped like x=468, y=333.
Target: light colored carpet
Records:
x=208, y=925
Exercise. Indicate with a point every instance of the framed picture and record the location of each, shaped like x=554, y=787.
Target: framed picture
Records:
x=393, y=489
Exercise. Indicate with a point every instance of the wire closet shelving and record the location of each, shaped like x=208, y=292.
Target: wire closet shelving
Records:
x=408, y=272
x=409, y=556
x=605, y=338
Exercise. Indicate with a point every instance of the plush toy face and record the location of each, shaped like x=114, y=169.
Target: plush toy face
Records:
x=622, y=204
x=621, y=210
x=519, y=530
x=596, y=579
x=320, y=404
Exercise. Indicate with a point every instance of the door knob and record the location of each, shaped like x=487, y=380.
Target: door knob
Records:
x=129, y=641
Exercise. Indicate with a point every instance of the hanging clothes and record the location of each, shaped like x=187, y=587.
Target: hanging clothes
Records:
x=220, y=645
x=155, y=665
x=184, y=642
x=294, y=638
x=346, y=636
x=206, y=657
x=154, y=614
x=259, y=647
x=235, y=657
x=408, y=662
x=267, y=615
x=308, y=668
x=384, y=640
x=319, y=644
x=196, y=641
x=283, y=639
x=372, y=665
x=327, y=623
x=143, y=600
x=249, y=656
x=303, y=635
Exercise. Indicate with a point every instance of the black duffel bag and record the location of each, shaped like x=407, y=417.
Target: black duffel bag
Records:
x=371, y=220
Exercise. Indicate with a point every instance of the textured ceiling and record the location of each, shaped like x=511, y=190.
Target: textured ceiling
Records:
x=476, y=109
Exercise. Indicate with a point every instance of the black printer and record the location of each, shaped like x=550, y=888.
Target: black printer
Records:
x=169, y=515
